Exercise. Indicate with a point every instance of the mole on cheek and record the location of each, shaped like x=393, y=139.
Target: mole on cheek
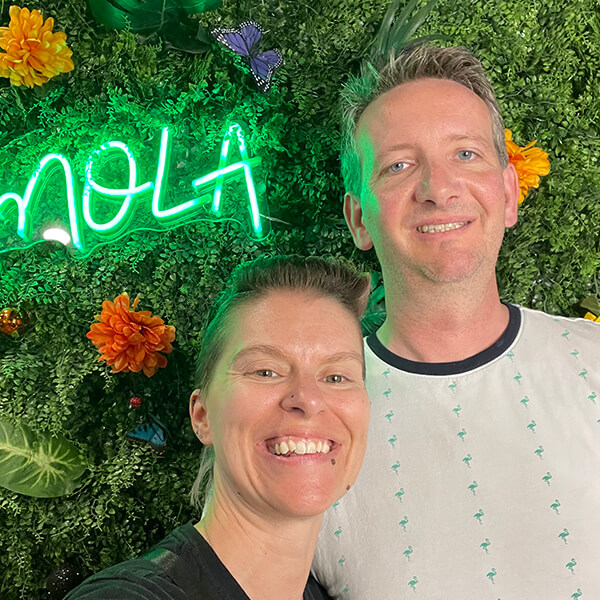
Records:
x=333, y=461
x=347, y=487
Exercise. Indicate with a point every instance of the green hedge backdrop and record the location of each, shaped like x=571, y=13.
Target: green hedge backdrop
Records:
x=543, y=57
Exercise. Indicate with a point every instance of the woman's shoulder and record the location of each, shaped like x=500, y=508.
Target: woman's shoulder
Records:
x=137, y=579
x=315, y=591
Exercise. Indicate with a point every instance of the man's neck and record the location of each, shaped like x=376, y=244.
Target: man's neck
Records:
x=270, y=560
x=442, y=325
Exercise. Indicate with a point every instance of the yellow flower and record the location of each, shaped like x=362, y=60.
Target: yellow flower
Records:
x=33, y=54
x=530, y=164
x=591, y=317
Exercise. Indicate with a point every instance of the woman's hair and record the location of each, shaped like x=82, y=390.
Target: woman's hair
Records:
x=331, y=278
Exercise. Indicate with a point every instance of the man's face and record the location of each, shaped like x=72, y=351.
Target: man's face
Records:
x=434, y=199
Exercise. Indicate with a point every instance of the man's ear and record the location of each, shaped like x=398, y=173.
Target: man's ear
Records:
x=199, y=418
x=511, y=194
x=354, y=218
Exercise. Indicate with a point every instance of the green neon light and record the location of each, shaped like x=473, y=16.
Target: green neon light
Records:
x=128, y=193
x=24, y=223
x=93, y=191
x=245, y=164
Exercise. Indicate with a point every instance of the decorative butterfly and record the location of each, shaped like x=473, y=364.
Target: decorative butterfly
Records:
x=244, y=42
x=152, y=432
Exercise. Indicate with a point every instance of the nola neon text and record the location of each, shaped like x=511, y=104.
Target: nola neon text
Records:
x=83, y=221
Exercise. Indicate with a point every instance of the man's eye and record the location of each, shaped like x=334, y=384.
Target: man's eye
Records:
x=397, y=167
x=335, y=379
x=466, y=154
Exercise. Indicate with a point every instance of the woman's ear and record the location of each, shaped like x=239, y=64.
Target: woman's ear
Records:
x=199, y=418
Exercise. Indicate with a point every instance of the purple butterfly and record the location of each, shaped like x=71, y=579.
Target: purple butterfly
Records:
x=243, y=41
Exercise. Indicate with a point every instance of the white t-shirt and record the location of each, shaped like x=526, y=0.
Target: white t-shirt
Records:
x=481, y=478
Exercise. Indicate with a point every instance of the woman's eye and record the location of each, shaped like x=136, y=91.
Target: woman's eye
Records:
x=265, y=373
x=466, y=154
x=335, y=379
x=397, y=167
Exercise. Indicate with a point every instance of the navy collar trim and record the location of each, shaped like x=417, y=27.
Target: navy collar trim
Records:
x=452, y=368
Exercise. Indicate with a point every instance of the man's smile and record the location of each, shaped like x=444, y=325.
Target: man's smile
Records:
x=440, y=228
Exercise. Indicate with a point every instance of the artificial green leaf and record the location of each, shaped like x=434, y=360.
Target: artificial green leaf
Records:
x=187, y=36
x=38, y=464
x=395, y=32
x=592, y=304
x=147, y=16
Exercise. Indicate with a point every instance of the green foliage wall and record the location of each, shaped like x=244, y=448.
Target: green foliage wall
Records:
x=543, y=58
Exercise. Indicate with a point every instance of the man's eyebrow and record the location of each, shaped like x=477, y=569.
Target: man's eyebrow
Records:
x=342, y=356
x=466, y=137
x=393, y=148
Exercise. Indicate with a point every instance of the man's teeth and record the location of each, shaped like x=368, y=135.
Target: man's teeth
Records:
x=441, y=228
x=301, y=447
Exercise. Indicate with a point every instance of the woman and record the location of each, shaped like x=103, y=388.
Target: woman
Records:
x=282, y=407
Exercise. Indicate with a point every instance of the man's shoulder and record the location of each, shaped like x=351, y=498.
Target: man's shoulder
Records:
x=567, y=326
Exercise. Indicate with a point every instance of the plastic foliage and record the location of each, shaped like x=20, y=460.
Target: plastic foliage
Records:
x=592, y=305
x=530, y=163
x=38, y=464
x=375, y=313
x=170, y=18
x=33, y=54
x=396, y=31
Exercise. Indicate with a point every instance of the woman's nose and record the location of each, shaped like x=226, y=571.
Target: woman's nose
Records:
x=304, y=397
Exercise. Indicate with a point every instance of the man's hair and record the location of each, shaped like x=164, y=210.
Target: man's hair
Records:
x=330, y=278
x=411, y=64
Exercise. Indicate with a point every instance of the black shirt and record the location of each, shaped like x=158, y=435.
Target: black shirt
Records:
x=145, y=579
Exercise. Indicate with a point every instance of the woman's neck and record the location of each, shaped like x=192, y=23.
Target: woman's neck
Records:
x=269, y=557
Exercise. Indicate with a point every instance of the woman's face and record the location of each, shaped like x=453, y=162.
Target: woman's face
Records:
x=286, y=409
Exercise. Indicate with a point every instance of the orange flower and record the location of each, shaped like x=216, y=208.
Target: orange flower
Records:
x=130, y=340
x=530, y=163
x=33, y=53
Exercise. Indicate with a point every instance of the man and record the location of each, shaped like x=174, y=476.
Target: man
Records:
x=482, y=476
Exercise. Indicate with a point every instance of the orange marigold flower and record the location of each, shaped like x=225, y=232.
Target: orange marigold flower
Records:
x=33, y=54
x=530, y=164
x=130, y=340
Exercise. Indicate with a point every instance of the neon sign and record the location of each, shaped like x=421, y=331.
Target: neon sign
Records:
x=105, y=212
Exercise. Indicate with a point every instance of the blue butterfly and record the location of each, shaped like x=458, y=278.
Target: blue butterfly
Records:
x=243, y=41
x=152, y=433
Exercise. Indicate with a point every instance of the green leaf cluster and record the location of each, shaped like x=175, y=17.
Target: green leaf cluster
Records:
x=543, y=58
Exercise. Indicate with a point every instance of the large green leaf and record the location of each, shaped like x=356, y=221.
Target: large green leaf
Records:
x=147, y=16
x=38, y=464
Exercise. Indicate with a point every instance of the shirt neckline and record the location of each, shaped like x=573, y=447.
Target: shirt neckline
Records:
x=456, y=367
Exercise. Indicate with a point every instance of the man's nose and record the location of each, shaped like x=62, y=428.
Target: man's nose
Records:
x=438, y=184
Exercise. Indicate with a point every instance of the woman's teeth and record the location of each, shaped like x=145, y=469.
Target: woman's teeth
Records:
x=301, y=447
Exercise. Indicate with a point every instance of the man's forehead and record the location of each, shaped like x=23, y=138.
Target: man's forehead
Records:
x=418, y=102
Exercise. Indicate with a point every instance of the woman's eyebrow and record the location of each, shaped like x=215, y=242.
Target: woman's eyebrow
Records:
x=264, y=349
